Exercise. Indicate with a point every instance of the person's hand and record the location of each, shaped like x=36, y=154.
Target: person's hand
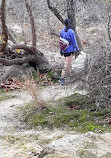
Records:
x=61, y=52
x=77, y=53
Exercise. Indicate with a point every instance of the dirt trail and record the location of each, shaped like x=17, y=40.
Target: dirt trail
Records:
x=8, y=118
x=17, y=142
x=10, y=137
x=58, y=91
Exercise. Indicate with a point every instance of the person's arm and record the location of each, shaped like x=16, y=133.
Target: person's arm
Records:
x=74, y=42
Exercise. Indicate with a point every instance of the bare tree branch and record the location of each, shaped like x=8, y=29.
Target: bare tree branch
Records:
x=4, y=28
x=55, y=11
x=12, y=37
x=109, y=27
x=32, y=22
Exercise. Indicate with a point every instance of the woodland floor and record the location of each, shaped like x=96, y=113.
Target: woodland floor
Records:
x=16, y=141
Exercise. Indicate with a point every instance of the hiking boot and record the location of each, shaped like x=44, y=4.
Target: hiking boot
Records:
x=61, y=81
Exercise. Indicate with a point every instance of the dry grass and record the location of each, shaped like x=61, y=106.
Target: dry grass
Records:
x=32, y=87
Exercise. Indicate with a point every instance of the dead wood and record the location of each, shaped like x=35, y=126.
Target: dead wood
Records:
x=109, y=27
x=18, y=61
x=30, y=55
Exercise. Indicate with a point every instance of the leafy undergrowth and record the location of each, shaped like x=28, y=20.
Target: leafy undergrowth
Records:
x=43, y=79
x=16, y=83
x=71, y=113
x=11, y=84
x=49, y=78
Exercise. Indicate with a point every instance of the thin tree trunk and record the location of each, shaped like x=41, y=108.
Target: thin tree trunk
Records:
x=4, y=28
x=32, y=22
x=109, y=28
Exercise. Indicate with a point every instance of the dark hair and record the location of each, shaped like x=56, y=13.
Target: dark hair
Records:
x=67, y=23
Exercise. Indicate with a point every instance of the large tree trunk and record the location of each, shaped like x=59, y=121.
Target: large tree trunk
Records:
x=71, y=11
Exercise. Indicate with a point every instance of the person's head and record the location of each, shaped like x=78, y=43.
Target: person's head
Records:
x=67, y=23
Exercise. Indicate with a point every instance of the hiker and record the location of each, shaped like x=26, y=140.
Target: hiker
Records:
x=69, y=52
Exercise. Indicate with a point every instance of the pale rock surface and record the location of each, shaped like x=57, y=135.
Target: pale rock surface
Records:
x=88, y=145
